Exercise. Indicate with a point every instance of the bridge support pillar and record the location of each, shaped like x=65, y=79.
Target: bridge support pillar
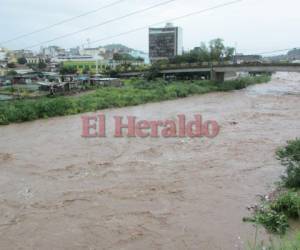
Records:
x=217, y=76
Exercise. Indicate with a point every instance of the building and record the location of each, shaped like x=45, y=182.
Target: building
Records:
x=165, y=43
x=74, y=51
x=60, y=59
x=240, y=58
x=82, y=63
x=35, y=59
x=2, y=55
x=3, y=70
x=140, y=54
x=52, y=51
x=22, y=53
x=3, y=58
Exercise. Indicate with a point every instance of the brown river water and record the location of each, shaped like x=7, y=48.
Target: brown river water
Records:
x=61, y=191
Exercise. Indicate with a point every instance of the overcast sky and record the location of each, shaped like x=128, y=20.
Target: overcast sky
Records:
x=253, y=26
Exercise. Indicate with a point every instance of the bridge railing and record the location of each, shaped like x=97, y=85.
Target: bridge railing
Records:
x=211, y=64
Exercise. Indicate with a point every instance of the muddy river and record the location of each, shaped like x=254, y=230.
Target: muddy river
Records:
x=61, y=191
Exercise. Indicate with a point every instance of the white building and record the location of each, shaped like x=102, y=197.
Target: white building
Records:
x=92, y=51
x=52, y=51
x=35, y=59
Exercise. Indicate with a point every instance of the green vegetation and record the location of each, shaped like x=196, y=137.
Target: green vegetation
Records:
x=68, y=69
x=287, y=203
x=275, y=213
x=11, y=73
x=216, y=51
x=290, y=158
x=22, y=60
x=135, y=92
x=42, y=65
x=18, y=89
x=293, y=244
x=11, y=65
x=291, y=152
x=126, y=58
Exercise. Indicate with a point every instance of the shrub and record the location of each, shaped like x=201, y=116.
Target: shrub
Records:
x=274, y=222
x=292, y=177
x=3, y=119
x=290, y=157
x=291, y=152
x=287, y=203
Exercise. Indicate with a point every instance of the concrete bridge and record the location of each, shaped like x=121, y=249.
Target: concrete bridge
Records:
x=217, y=72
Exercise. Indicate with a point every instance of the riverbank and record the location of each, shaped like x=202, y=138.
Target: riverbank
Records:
x=134, y=93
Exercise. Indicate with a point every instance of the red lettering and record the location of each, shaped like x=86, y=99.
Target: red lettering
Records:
x=130, y=126
x=87, y=126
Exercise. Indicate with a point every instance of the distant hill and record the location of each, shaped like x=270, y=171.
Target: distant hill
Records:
x=121, y=47
x=294, y=54
x=118, y=47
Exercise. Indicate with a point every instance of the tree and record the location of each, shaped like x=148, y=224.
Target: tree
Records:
x=11, y=65
x=153, y=72
x=229, y=53
x=112, y=73
x=64, y=70
x=125, y=57
x=215, y=51
x=22, y=60
x=117, y=57
x=202, y=52
x=42, y=65
x=11, y=73
x=140, y=59
x=86, y=70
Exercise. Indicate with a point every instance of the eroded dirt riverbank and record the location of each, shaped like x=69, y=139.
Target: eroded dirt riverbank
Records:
x=60, y=191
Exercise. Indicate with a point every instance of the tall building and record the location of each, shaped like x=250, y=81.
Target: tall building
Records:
x=52, y=51
x=165, y=43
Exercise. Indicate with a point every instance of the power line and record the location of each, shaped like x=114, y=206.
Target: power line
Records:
x=101, y=24
x=273, y=51
x=169, y=20
x=62, y=22
x=276, y=51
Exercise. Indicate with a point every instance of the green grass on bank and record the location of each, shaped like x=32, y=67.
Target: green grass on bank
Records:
x=291, y=244
x=135, y=92
x=276, y=212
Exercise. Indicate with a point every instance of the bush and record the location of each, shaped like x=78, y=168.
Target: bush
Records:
x=274, y=222
x=291, y=152
x=287, y=203
x=290, y=157
x=274, y=214
x=292, y=177
x=3, y=119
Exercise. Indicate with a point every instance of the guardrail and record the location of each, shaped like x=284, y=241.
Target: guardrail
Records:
x=214, y=65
